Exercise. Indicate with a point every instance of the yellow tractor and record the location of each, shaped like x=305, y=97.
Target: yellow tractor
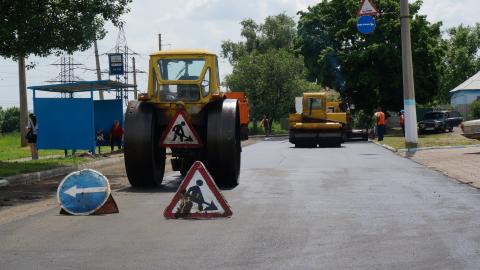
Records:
x=185, y=81
x=316, y=121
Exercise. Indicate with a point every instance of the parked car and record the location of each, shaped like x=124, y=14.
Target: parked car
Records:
x=440, y=121
x=471, y=129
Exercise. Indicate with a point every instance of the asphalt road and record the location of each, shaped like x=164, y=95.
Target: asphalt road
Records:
x=356, y=207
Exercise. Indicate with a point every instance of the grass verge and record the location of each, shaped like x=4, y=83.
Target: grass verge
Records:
x=14, y=168
x=10, y=148
x=395, y=139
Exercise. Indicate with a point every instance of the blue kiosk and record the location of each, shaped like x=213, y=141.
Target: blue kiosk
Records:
x=77, y=123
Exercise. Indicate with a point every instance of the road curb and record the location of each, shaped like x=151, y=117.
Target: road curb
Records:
x=30, y=178
x=437, y=148
x=263, y=136
x=385, y=146
x=404, y=150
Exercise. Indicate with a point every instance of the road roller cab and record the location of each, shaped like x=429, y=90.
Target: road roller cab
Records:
x=184, y=82
x=317, y=121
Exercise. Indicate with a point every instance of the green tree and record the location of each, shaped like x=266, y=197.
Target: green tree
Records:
x=2, y=117
x=43, y=27
x=11, y=121
x=271, y=81
x=367, y=69
x=461, y=60
x=266, y=67
x=277, y=32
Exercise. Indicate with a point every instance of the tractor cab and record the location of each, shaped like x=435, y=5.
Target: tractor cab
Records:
x=315, y=105
x=189, y=76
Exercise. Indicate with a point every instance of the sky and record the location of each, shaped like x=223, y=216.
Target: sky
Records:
x=191, y=24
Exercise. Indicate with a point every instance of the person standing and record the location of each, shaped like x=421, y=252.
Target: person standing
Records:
x=380, y=123
x=31, y=135
x=402, y=121
x=116, y=135
x=266, y=125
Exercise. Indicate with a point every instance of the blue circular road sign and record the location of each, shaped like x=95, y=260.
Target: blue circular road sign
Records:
x=83, y=192
x=366, y=24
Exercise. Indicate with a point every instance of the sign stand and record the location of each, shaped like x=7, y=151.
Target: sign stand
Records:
x=110, y=207
x=86, y=192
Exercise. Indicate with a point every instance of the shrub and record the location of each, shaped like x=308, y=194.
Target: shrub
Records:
x=475, y=109
x=2, y=116
x=11, y=120
x=362, y=120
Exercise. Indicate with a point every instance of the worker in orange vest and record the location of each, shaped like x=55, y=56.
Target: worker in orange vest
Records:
x=402, y=121
x=380, y=123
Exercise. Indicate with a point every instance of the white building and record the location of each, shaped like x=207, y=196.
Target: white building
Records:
x=464, y=94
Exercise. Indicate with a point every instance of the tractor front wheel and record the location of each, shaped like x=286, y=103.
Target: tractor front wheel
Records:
x=223, y=147
x=144, y=158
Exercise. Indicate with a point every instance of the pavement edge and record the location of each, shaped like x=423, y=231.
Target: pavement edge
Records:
x=30, y=178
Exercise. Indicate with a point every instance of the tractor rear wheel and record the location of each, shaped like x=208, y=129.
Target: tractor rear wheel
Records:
x=223, y=147
x=144, y=158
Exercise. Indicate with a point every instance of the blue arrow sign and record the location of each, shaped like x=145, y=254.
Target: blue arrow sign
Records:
x=366, y=24
x=83, y=192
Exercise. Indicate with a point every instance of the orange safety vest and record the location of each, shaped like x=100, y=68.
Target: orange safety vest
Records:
x=380, y=118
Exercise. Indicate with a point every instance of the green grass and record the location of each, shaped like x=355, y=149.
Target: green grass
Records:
x=394, y=138
x=13, y=168
x=10, y=148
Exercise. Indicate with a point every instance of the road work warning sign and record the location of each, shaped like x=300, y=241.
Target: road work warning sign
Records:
x=367, y=9
x=180, y=133
x=86, y=192
x=198, y=197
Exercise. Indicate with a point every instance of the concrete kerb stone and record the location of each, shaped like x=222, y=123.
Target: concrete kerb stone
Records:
x=30, y=178
x=3, y=183
x=385, y=146
x=263, y=136
x=404, y=150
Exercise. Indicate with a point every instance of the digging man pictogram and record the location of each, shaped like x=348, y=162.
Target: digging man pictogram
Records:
x=178, y=131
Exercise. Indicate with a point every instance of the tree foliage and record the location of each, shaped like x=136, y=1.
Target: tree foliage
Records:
x=367, y=69
x=277, y=32
x=43, y=27
x=10, y=120
x=461, y=60
x=271, y=81
x=265, y=66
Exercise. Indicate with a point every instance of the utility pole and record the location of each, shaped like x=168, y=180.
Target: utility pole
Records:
x=411, y=132
x=135, y=89
x=23, y=100
x=159, y=42
x=97, y=62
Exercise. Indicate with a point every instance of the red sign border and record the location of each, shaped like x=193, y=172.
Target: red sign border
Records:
x=169, y=127
x=376, y=13
x=198, y=166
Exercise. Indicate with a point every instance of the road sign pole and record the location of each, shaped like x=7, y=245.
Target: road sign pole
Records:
x=411, y=133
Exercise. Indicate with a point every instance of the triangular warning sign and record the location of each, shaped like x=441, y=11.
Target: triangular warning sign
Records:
x=367, y=9
x=198, y=197
x=180, y=133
